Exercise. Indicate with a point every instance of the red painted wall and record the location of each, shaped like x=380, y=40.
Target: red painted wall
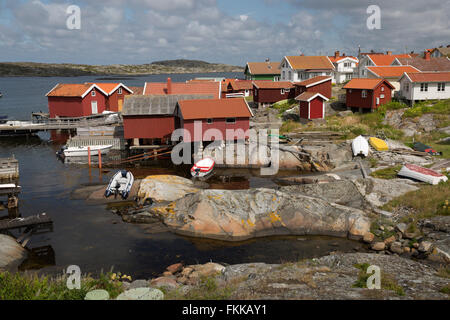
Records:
x=219, y=124
x=354, y=99
x=315, y=106
x=271, y=95
x=148, y=127
x=322, y=88
x=75, y=106
x=303, y=110
x=112, y=103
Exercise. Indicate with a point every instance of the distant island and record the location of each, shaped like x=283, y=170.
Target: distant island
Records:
x=11, y=69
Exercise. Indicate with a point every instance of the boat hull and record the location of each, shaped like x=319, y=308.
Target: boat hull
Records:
x=378, y=144
x=422, y=174
x=120, y=184
x=360, y=146
x=83, y=151
x=203, y=168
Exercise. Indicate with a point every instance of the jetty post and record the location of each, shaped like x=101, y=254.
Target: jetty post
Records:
x=89, y=156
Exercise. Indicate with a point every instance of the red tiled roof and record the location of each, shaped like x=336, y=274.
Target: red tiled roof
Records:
x=261, y=84
x=365, y=83
x=392, y=71
x=429, y=76
x=71, y=90
x=313, y=81
x=386, y=59
x=241, y=84
x=137, y=90
x=215, y=108
x=263, y=68
x=310, y=62
x=434, y=64
x=200, y=87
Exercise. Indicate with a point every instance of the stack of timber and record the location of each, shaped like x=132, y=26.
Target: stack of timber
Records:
x=9, y=168
x=315, y=137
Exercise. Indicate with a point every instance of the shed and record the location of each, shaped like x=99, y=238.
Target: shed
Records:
x=217, y=119
x=368, y=94
x=312, y=105
x=150, y=119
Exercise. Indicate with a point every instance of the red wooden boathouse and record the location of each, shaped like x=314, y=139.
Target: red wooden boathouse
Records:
x=230, y=118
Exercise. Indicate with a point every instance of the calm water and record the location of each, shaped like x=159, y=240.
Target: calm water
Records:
x=95, y=239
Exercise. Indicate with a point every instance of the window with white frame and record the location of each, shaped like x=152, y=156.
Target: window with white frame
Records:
x=284, y=75
x=441, y=86
x=290, y=75
x=364, y=94
x=348, y=76
x=382, y=89
x=93, y=93
x=424, y=87
x=119, y=91
x=209, y=121
x=407, y=87
x=381, y=96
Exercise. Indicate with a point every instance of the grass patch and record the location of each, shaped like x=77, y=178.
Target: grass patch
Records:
x=426, y=202
x=19, y=286
x=387, y=173
x=445, y=289
x=443, y=272
x=423, y=107
x=289, y=126
x=387, y=282
x=284, y=105
x=208, y=288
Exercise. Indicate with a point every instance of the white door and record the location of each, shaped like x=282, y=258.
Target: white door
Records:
x=94, y=107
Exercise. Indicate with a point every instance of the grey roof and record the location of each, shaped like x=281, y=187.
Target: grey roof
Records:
x=155, y=104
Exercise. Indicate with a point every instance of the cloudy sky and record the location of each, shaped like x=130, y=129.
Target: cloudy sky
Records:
x=226, y=31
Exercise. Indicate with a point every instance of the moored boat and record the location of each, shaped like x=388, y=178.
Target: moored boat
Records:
x=422, y=174
x=120, y=184
x=84, y=151
x=378, y=144
x=360, y=146
x=203, y=168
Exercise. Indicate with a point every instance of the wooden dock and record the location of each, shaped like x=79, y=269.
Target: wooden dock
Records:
x=38, y=224
x=9, y=168
x=46, y=124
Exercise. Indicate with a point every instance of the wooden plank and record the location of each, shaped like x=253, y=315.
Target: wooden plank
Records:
x=33, y=221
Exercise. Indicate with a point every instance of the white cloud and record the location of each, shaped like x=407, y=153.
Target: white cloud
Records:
x=135, y=31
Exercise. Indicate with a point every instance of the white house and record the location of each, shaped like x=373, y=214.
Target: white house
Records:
x=299, y=68
x=376, y=60
x=441, y=52
x=344, y=67
x=425, y=86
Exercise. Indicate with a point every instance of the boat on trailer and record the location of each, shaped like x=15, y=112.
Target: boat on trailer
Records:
x=120, y=184
x=422, y=174
x=84, y=151
x=203, y=168
x=360, y=146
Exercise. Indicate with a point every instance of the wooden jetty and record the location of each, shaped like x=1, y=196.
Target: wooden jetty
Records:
x=38, y=222
x=45, y=124
x=28, y=226
x=9, y=168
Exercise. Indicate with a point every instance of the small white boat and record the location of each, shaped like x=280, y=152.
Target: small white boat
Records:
x=203, y=168
x=83, y=151
x=360, y=146
x=120, y=184
x=422, y=174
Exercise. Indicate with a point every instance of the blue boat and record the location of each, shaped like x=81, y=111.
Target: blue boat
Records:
x=3, y=119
